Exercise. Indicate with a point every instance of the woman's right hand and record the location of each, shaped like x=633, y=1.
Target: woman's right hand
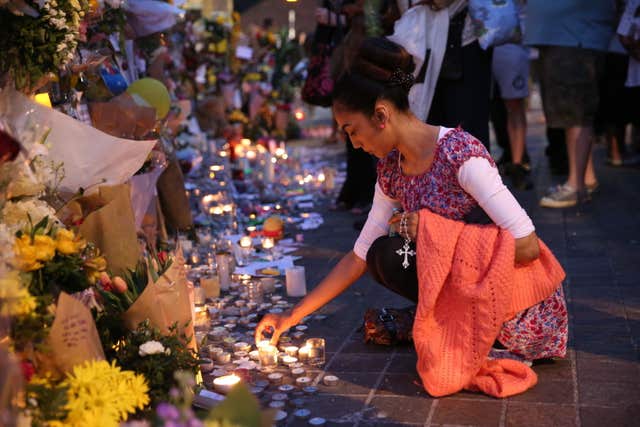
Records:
x=277, y=324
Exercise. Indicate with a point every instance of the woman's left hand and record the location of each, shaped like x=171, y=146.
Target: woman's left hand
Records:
x=412, y=225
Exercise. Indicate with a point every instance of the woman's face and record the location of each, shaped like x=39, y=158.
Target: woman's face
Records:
x=363, y=131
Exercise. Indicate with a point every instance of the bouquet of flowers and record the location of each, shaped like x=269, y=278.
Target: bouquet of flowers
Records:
x=38, y=45
x=156, y=356
x=95, y=393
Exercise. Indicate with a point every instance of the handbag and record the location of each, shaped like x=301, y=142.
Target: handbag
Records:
x=318, y=87
x=388, y=326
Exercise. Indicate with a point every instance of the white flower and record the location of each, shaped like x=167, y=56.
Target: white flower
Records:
x=61, y=47
x=167, y=351
x=7, y=239
x=150, y=347
x=14, y=214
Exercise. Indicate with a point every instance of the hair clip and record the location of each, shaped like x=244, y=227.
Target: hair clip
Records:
x=402, y=79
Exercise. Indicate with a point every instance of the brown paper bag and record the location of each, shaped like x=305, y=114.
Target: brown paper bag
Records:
x=73, y=338
x=173, y=200
x=164, y=303
x=112, y=229
x=122, y=117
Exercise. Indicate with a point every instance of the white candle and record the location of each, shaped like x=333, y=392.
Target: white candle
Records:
x=245, y=242
x=303, y=353
x=224, y=272
x=296, y=282
x=291, y=350
x=268, y=243
x=225, y=384
x=211, y=286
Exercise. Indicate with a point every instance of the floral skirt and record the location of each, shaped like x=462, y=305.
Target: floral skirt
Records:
x=540, y=331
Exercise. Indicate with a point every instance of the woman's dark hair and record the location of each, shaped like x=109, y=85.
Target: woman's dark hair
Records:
x=381, y=69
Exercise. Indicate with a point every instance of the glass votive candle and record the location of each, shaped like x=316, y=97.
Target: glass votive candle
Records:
x=268, y=356
x=291, y=350
x=289, y=360
x=316, y=351
x=223, y=358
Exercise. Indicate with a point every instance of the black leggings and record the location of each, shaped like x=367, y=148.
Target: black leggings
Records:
x=385, y=265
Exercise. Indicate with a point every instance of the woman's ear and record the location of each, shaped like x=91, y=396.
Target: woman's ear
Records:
x=381, y=113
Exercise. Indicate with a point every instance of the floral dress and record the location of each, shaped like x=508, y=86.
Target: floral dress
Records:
x=538, y=332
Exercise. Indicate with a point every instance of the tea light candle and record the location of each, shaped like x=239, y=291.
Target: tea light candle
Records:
x=301, y=328
x=279, y=397
x=262, y=383
x=288, y=360
x=245, y=242
x=302, y=413
x=291, y=350
x=242, y=346
x=219, y=372
x=310, y=390
x=214, y=351
x=206, y=365
x=268, y=285
x=297, y=372
x=241, y=354
x=297, y=335
x=286, y=388
x=303, y=353
x=276, y=404
x=268, y=243
x=296, y=281
x=303, y=381
x=262, y=343
x=223, y=358
x=280, y=416
x=230, y=326
x=317, y=421
x=225, y=384
x=254, y=355
x=330, y=380
x=275, y=378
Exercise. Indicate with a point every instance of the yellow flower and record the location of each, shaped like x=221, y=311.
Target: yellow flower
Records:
x=220, y=19
x=45, y=247
x=94, y=268
x=68, y=243
x=100, y=394
x=26, y=258
x=15, y=299
x=221, y=46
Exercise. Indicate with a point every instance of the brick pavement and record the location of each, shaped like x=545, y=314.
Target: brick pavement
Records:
x=598, y=384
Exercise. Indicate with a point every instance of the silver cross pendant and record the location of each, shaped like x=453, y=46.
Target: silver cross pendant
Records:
x=406, y=252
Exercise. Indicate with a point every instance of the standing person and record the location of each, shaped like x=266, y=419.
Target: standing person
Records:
x=511, y=71
x=572, y=37
x=454, y=71
x=423, y=166
x=345, y=18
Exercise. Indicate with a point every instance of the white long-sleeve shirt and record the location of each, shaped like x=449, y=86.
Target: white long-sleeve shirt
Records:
x=479, y=179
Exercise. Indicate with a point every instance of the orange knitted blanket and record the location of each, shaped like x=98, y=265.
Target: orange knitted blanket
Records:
x=469, y=285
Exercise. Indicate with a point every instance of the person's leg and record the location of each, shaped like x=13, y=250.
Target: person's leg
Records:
x=385, y=266
x=498, y=117
x=517, y=128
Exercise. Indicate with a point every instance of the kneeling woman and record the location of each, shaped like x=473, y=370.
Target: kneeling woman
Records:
x=424, y=167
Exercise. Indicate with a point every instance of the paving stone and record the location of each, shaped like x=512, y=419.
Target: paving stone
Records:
x=413, y=410
x=554, y=369
x=626, y=416
x=520, y=414
x=403, y=363
x=548, y=391
x=401, y=384
x=468, y=412
x=360, y=362
x=338, y=409
x=608, y=393
x=351, y=383
x=598, y=368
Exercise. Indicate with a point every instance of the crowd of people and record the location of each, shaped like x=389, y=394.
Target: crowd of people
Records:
x=583, y=55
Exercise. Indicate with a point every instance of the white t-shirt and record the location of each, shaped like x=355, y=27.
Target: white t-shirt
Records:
x=479, y=179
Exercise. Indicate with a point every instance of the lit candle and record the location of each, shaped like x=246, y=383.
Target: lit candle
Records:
x=291, y=350
x=225, y=384
x=227, y=208
x=316, y=351
x=216, y=168
x=223, y=357
x=289, y=360
x=215, y=210
x=245, y=242
x=303, y=353
x=268, y=243
x=268, y=355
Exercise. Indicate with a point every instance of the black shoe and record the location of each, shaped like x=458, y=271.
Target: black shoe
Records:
x=520, y=177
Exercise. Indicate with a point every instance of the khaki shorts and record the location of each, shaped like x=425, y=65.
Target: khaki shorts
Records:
x=569, y=84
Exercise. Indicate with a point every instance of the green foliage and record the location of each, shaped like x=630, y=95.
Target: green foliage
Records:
x=239, y=408
x=159, y=368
